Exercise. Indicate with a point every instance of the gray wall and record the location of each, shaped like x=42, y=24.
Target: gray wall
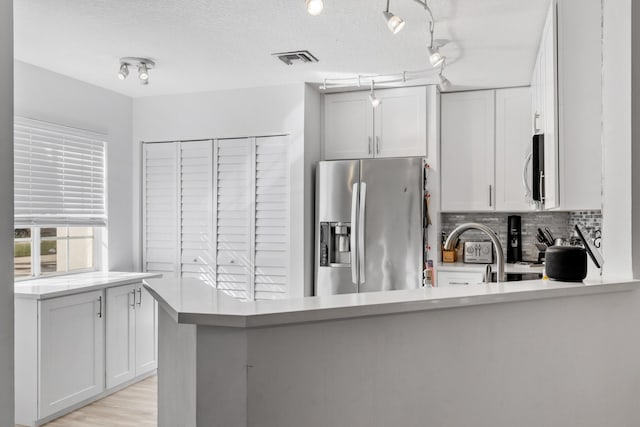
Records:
x=44, y=95
x=6, y=213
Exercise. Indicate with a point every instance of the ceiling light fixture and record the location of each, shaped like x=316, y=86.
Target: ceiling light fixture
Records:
x=315, y=7
x=143, y=65
x=435, y=57
x=124, y=71
x=394, y=22
x=443, y=82
x=375, y=102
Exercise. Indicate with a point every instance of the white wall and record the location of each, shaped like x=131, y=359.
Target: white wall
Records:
x=229, y=114
x=52, y=97
x=6, y=213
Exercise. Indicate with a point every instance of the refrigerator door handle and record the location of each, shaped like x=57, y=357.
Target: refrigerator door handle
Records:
x=361, y=253
x=354, y=210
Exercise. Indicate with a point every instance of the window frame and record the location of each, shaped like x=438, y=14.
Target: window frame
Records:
x=36, y=240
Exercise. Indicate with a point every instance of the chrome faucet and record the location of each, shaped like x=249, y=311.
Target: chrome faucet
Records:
x=455, y=234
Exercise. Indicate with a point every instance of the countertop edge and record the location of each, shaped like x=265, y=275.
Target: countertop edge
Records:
x=107, y=283
x=244, y=320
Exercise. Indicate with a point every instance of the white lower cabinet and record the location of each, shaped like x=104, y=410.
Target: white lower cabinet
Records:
x=458, y=278
x=74, y=349
x=71, y=351
x=131, y=333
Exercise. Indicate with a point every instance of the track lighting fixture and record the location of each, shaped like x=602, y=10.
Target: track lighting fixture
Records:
x=143, y=65
x=443, y=82
x=314, y=7
x=435, y=57
x=124, y=71
x=394, y=22
x=375, y=102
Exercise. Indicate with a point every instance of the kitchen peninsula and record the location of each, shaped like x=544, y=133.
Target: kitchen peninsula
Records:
x=497, y=354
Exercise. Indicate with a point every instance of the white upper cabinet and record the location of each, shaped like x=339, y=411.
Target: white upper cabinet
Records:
x=580, y=104
x=400, y=123
x=567, y=107
x=353, y=129
x=348, y=130
x=467, y=147
x=513, y=145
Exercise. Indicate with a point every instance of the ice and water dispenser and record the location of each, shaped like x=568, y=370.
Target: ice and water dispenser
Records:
x=335, y=247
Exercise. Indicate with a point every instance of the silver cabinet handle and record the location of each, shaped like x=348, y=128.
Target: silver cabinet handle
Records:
x=369, y=145
x=377, y=145
x=361, y=252
x=458, y=283
x=525, y=177
x=133, y=305
x=139, y=290
x=100, y=309
x=354, y=211
x=541, y=187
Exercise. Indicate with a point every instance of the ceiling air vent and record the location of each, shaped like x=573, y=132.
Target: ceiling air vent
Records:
x=297, y=57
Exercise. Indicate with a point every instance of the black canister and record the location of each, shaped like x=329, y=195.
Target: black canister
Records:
x=566, y=263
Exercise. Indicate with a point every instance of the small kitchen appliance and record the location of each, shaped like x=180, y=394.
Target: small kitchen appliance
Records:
x=566, y=263
x=478, y=252
x=514, y=238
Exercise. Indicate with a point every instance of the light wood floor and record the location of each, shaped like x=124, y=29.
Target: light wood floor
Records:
x=134, y=406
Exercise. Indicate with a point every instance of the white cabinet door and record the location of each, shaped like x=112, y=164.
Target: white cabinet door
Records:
x=71, y=350
x=467, y=146
x=146, y=331
x=550, y=114
x=513, y=144
x=160, y=208
x=120, y=319
x=348, y=126
x=401, y=123
x=197, y=255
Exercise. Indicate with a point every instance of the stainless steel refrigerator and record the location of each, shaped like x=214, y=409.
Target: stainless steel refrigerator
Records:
x=369, y=225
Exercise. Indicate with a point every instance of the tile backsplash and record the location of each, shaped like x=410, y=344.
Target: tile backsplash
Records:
x=560, y=223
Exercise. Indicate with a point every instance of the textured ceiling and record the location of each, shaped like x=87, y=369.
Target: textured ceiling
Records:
x=222, y=44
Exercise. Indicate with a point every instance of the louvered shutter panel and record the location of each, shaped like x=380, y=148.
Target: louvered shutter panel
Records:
x=196, y=232
x=59, y=175
x=234, y=171
x=160, y=206
x=271, y=218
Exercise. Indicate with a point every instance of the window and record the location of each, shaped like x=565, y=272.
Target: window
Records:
x=59, y=198
x=60, y=250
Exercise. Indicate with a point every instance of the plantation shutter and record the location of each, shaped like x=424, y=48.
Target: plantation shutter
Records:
x=59, y=175
x=271, y=218
x=234, y=169
x=160, y=208
x=196, y=209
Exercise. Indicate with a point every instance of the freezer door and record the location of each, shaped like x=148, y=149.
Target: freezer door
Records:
x=336, y=202
x=391, y=205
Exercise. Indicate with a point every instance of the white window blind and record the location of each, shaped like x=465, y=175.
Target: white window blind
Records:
x=59, y=175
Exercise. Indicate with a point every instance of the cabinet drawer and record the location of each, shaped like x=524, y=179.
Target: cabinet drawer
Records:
x=458, y=278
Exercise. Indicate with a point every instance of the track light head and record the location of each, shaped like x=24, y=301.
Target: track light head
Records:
x=394, y=22
x=314, y=7
x=143, y=72
x=124, y=71
x=443, y=82
x=375, y=102
x=435, y=57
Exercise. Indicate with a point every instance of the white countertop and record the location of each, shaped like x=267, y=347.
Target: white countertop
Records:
x=194, y=302
x=51, y=287
x=508, y=268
